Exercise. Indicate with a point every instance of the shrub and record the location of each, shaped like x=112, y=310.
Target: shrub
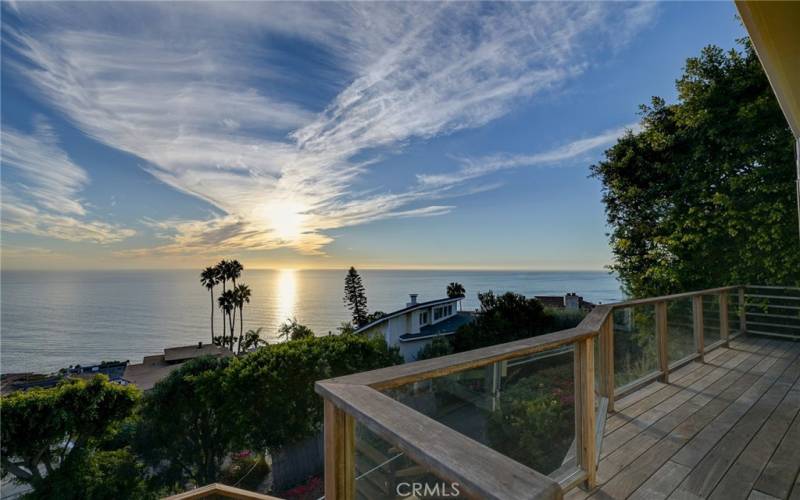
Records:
x=502, y=318
x=440, y=346
x=534, y=422
x=270, y=393
x=51, y=428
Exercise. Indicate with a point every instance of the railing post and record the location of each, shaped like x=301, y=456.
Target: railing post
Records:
x=697, y=316
x=724, y=327
x=585, y=410
x=661, y=340
x=339, y=454
x=742, y=312
x=606, y=361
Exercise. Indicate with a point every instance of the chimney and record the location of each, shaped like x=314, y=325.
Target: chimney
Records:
x=572, y=301
x=413, y=297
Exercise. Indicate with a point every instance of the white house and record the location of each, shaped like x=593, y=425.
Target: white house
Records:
x=417, y=324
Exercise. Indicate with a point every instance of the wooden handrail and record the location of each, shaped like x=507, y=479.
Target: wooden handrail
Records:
x=675, y=296
x=219, y=490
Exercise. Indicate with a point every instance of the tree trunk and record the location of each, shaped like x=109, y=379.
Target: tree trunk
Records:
x=241, y=329
x=233, y=327
x=233, y=332
x=223, y=317
x=212, y=316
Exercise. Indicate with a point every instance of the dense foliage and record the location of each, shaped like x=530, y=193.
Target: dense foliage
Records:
x=291, y=329
x=94, y=441
x=534, y=420
x=61, y=427
x=502, y=318
x=273, y=388
x=703, y=195
x=455, y=289
x=209, y=408
x=188, y=425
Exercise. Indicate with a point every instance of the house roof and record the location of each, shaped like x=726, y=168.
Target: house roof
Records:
x=408, y=309
x=183, y=353
x=446, y=327
x=557, y=301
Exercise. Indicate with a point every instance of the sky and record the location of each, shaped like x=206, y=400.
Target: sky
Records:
x=323, y=135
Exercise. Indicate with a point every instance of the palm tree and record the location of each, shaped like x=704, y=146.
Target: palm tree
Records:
x=242, y=294
x=208, y=278
x=252, y=338
x=455, y=289
x=233, y=270
x=227, y=303
x=222, y=277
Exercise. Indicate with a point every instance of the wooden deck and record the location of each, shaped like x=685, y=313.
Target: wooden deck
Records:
x=728, y=428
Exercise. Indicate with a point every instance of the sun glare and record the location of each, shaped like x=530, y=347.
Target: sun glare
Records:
x=285, y=219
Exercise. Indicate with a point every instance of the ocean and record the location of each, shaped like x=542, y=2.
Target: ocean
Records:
x=53, y=319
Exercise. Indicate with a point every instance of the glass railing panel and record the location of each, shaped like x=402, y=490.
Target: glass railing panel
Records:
x=680, y=329
x=711, y=319
x=773, y=311
x=635, y=346
x=383, y=471
x=523, y=408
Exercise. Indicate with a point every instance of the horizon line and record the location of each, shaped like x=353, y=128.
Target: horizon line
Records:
x=343, y=268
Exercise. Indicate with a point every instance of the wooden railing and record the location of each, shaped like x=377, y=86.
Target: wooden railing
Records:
x=218, y=490
x=639, y=341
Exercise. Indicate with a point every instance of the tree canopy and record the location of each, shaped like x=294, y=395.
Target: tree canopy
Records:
x=187, y=427
x=54, y=427
x=273, y=387
x=703, y=194
x=502, y=318
x=455, y=289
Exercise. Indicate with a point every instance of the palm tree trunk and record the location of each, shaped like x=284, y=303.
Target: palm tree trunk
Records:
x=223, y=316
x=241, y=329
x=233, y=326
x=212, y=316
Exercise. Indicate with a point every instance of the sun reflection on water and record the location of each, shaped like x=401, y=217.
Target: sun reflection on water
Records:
x=286, y=292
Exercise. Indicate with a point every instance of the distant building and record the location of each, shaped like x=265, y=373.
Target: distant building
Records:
x=157, y=367
x=12, y=382
x=567, y=301
x=417, y=324
x=114, y=370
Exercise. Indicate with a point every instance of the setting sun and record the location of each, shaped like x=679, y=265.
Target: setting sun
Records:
x=285, y=219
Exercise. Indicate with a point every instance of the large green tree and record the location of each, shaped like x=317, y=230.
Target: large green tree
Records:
x=46, y=429
x=355, y=297
x=273, y=388
x=702, y=195
x=502, y=318
x=186, y=429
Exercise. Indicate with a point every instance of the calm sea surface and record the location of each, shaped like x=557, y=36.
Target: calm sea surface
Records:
x=52, y=319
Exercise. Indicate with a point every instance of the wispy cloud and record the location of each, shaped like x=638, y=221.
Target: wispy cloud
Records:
x=43, y=196
x=46, y=173
x=472, y=168
x=178, y=89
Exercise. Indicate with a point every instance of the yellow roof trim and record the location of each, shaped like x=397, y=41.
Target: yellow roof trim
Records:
x=774, y=28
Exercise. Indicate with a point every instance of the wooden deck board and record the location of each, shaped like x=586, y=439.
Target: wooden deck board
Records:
x=776, y=478
x=677, y=424
x=727, y=428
